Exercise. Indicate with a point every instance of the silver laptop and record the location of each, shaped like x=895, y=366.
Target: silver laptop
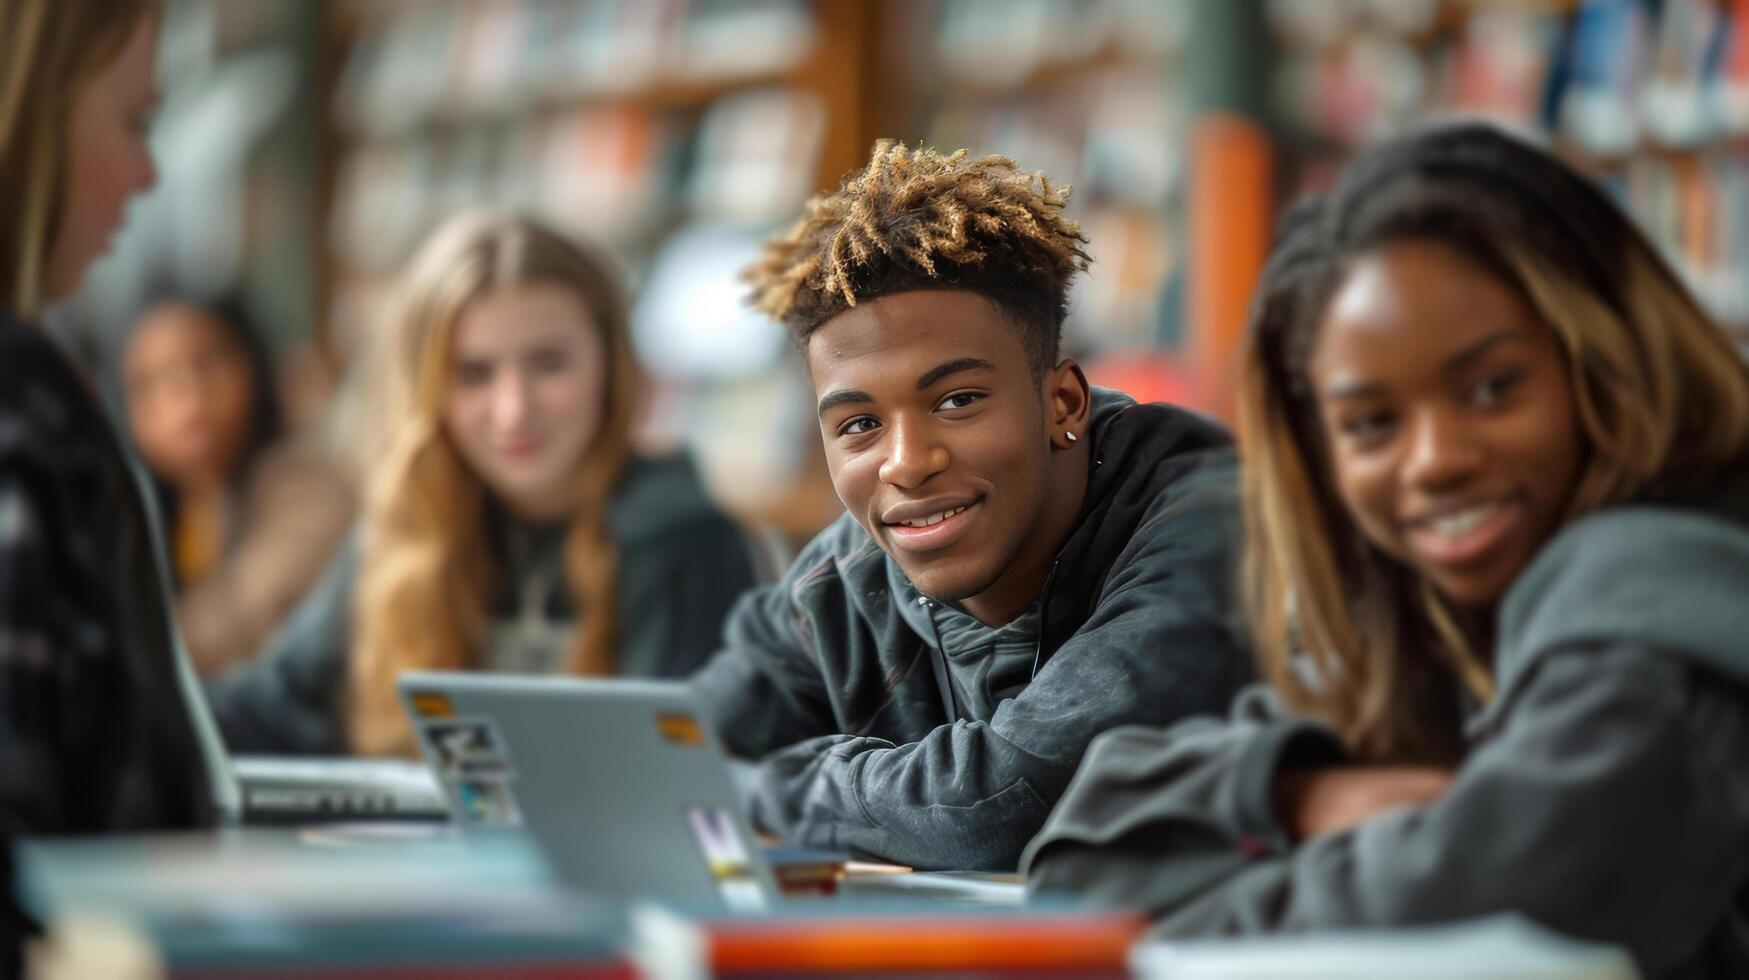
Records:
x=619, y=782
x=306, y=789
x=279, y=790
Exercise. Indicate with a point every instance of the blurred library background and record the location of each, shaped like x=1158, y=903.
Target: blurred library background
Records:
x=305, y=148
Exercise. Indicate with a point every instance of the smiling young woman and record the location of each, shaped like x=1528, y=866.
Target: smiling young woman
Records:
x=1447, y=417
x=1497, y=506
x=508, y=523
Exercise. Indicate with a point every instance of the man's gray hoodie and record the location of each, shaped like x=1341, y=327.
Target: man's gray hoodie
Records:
x=1605, y=792
x=871, y=737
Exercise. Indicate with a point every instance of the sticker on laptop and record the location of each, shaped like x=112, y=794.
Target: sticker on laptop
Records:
x=680, y=729
x=485, y=803
x=470, y=748
x=431, y=704
x=727, y=858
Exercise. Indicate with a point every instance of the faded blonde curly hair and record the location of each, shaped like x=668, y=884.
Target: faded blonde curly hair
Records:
x=917, y=219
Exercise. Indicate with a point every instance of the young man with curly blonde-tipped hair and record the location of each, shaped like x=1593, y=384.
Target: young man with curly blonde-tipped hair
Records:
x=1025, y=561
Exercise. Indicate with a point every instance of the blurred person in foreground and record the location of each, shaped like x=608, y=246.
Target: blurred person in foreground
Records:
x=508, y=524
x=1025, y=560
x=87, y=652
x=251, y=516
x=1497, y=498
x=94, y=735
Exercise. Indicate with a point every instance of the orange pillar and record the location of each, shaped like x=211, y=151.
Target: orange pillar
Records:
x=1230, y=210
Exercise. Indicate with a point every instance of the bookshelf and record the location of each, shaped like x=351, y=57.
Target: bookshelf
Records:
x=680, y=132
x=612, y=119
x=675, y=133
x=1090, y=93
x=1651, y=99
x=438, y=104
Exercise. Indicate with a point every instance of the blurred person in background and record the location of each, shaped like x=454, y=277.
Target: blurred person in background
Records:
x=94, y=734
x=250, y=516
x=1497, y=499
x=508, y=524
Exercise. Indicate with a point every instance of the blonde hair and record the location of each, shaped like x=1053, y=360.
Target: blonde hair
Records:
x=1661, y=398
x=426, y=567
x=49, y=50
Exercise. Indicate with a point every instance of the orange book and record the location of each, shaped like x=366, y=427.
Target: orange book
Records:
x=919, y=941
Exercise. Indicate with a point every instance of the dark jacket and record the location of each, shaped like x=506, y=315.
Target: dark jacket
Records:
x=1604, y=794
x=825, y=679
x=682, y=563
x=94, y=732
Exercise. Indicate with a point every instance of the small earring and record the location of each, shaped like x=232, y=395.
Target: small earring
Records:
x=1072, y=437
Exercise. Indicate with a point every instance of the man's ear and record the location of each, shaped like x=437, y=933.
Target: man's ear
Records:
x=1068, y=400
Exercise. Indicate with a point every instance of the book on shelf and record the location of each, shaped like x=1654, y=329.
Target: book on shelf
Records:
x=1606, y=62
x=447, y=61
x=756, y=158
x=1651, y=99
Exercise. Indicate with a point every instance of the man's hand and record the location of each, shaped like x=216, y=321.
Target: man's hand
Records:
x=1313, y=802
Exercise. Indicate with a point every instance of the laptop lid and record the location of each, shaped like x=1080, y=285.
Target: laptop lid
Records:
x=226, y=793
x=619, y=782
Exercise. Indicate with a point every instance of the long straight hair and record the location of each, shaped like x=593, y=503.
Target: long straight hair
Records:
x=1660, y=394
x=49, y=50
x=426, y=568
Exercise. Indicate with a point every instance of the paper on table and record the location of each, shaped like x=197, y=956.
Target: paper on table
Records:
x=1505, y=947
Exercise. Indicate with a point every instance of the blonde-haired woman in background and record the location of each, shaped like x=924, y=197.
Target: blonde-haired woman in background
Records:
x=1497, y=506
x=508, y=524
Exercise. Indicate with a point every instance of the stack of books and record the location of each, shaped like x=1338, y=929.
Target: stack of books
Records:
x=269, y=904
x=843, y=940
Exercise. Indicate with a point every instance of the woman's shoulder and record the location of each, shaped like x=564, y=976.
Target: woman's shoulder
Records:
x=28, y=354
x=37, y=386
x=1722, y=494
x=1668, y=574
x=48, y=414
x=1678, y=536
x=662, y=497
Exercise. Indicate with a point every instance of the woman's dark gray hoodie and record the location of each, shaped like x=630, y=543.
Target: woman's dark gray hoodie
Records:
x=682, y=564
x=1605, y=793
x=888, y=726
